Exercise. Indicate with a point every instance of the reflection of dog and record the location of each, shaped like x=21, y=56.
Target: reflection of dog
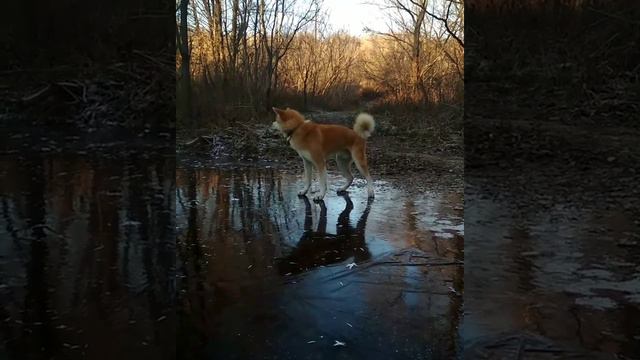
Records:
x=317, y=248
x=315, y=143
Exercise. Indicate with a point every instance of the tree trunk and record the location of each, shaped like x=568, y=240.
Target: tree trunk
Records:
x=417, y=47
x=184, y=94
x=305, y=91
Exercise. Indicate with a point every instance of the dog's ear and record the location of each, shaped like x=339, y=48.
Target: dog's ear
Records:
x=277, y=111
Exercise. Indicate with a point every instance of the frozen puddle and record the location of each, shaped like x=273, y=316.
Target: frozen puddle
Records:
x=265, y=271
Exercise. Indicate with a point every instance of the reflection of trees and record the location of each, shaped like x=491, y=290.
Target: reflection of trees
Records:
x=239, y=228
x=451, y=248
x=416, y=295
x=10, y=226
x=216, y=204
x=36, y=299
x=193, y=301
x=222, y=207
x=154, y=237
x=456, y=303
x=522, y=266
x=85, y=268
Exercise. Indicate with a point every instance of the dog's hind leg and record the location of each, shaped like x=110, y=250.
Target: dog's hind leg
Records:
x=344, y=165
x=308, y=172
x=360, y=159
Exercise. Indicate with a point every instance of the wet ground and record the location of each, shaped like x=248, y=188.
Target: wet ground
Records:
x=569, y=273
x=552, y=266
x=87, y=252
x=264, y=271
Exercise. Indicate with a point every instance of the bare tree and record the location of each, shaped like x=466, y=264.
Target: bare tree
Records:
x=452, y=17
x=248, y=54
x=406, y=21
x=321, y=65
x=182, y=39
x=288, y=18
x=417, y=33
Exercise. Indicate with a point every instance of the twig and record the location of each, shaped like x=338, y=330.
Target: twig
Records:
x=153, y=60
x=617, y=17
x=46, y=70
x=36, y=94
x=429, y=264
x=64, y=86
x=149, y=16
x=122, y=71
x=543, y=350
x=502, y=342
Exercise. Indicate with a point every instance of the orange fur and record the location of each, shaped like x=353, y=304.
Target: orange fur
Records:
x=316, y=143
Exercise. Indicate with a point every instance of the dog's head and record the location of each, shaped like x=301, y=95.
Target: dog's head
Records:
x=287, y=119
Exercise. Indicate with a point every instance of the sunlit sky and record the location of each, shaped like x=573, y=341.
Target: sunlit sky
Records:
x=354, y=15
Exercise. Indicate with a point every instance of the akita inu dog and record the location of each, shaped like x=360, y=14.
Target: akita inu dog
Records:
x=315, y=143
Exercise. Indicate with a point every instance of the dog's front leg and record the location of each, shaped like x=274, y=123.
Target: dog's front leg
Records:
x=307, y=177
x=322, y=175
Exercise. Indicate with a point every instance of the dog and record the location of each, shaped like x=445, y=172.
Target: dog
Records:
x=316, y=143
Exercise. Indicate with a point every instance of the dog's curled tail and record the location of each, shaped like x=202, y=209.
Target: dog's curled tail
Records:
x=364, y=125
